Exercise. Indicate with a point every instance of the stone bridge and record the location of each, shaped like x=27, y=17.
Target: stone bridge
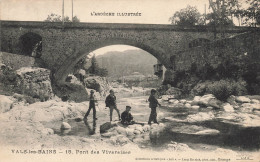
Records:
x=60, y=47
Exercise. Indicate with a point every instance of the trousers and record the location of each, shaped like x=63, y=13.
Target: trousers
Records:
x=153, y=116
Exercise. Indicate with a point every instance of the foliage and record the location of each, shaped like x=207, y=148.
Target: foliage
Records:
x=188, y=16
x=252, y=13
x=224, y=88
x=57, y=18
x=95, y=69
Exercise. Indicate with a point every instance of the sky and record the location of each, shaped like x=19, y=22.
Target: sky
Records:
x=152, y=12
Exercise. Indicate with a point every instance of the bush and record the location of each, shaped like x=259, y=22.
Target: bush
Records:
x=224, y=88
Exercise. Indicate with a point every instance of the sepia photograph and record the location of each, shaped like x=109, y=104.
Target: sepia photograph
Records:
x=130, y=80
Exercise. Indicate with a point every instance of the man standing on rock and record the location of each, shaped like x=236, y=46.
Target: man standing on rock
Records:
x=111, y=103
x=92, y=101
x=153, y=103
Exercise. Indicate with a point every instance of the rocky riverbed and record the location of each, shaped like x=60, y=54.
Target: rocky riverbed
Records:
x=199, y=124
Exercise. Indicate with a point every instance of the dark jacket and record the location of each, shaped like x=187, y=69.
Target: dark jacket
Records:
x=92, y=100
x=126, y=117
x=110, y=101
x=153, y=102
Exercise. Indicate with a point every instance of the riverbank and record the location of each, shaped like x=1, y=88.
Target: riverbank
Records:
x=182, y=129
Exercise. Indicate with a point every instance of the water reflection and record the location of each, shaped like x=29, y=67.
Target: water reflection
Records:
x=93, y=130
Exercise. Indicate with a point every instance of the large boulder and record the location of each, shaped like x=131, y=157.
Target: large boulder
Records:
x=100, y=84
x=242, y=99
x=227, y=107
x=176, y=92
x=71, y=92
x=199, y=89
x=5, y=103
x=207, y=100
x=106, y=126
x=72, y=79
x=35, y=82
x=65, y=125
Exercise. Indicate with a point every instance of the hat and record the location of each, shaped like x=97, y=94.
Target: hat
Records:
x=153, y=90
x=111, y=90
x=128, y=107
x=92, y=91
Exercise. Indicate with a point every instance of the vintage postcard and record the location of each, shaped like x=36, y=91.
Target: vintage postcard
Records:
x=130, y=80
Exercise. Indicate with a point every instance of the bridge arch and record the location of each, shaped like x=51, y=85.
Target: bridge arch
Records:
x=31, y=44
x=66, y=67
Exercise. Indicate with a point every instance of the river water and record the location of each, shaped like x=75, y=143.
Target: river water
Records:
x=200, y=129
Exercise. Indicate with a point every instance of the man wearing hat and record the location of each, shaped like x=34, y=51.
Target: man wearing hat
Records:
x=126, y=116
x=153, y=103
x=92, y=101
x=111, y=103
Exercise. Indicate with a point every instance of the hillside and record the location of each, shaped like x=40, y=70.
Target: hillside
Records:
x=127, y=62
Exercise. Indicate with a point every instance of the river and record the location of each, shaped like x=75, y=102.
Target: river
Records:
x=200, y=129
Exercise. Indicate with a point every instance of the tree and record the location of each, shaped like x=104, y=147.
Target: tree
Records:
x=188, y=16
x=75, y=19
x=57, y=18
x=220, y=15
x=252, y=13
x=94, y=68
x=222, y=12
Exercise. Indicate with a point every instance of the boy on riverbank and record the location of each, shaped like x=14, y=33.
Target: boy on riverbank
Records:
x=153, y=103
x=92, y=101
x=126, y=116
x=111, y=103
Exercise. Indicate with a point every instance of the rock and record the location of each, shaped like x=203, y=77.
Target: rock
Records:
x=204, y=100
x=106, y=126
x=207, y=100
x=139, y=129
x=255, y=101
x=187, y=105
x=120, y=130
x=183, y=101
x=249, y=107
x=208, y=132
x=109, y=134
x=47, y=131
x=201, y=116
x=176, y=92
x=146, y=128
x=65, y=125
x=35, y=82
x=5, y=103
x=196, y=100
x=129, y=132
x=72, y=79
x=232, y=100
x=137, y=132
x=172, y=100
x=100, y=84
x=242, y=99
x=194, y=129
x=195, y=107
x=71, y=92
x=121, y=140
x=138, y=140
x=174, y=146
x=214, y=103
x=167, y=97
x=227, y=107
